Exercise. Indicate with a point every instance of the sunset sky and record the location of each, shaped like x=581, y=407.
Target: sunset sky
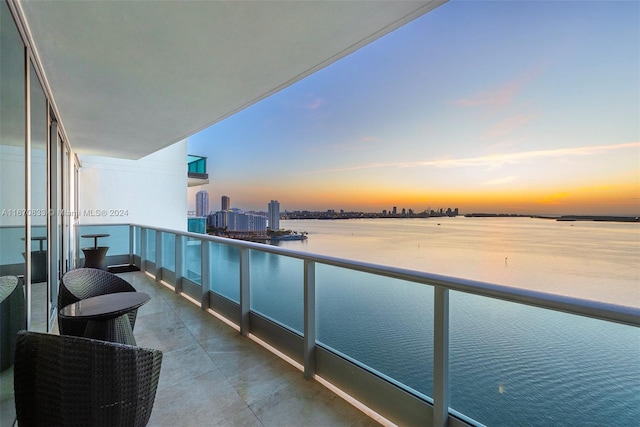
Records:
x=489, y=106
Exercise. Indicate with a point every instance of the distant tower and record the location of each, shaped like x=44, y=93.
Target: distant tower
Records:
x=202, y=203
x=274, y=215
x=226, y=201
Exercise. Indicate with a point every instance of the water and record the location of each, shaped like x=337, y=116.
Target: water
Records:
x=511, y=365
x=585, y=259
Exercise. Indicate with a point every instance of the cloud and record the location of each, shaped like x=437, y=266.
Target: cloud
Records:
x=509, y=125
x=493, y=161
x=501, y=95
x=315, y=104
x=553, y=199
x=498, y=97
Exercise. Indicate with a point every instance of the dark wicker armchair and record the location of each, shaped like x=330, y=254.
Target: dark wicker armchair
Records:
x=83, y=283
x=72, y=381
x=12, y=318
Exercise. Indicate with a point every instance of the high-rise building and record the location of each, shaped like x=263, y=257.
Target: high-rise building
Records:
x=274, y=215
x=224, y=209
x=202, y=203
x=238, y=220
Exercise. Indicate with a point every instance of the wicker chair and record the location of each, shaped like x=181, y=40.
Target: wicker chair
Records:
x=83, y=283
x=72, y=381
x=12, y=318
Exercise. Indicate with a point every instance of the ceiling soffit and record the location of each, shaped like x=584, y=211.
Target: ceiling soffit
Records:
x=130, y=78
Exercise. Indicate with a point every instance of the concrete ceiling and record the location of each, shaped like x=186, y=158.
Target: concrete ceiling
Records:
x=129, y=78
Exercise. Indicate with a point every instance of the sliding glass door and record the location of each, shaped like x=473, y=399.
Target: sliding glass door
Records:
x=13, y=202
x=38, y=210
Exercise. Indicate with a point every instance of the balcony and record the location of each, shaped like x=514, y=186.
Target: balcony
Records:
x=331, y=319
x=328, y=317
x=197, y=170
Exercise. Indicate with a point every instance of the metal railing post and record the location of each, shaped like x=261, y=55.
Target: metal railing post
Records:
x=131, y=239
x=143, y=249
x=441, y=357
x=179, y=262
x=74, y=239
x=245, y=287
x=205, y=278
x=27, y=191
x=158, y=256
x=309, y=318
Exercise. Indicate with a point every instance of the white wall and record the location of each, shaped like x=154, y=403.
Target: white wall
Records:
x=150, y=191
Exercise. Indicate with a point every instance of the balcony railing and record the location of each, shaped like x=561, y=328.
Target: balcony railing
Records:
x=197, y=170
x=197, y=165
x=409, y=345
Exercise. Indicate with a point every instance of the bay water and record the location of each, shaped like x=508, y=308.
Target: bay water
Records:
x=510, y=364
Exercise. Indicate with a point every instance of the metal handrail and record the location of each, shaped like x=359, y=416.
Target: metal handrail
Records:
x=595, y=309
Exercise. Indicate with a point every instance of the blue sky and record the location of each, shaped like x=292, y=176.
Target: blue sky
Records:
x=489, y=106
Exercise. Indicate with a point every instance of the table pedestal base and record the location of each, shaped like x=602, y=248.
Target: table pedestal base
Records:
x=114, y=330
x=38, y=266
x=95, y=257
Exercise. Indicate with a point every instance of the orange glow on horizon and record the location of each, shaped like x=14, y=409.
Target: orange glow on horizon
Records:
x=619, y=197
x=602, y=200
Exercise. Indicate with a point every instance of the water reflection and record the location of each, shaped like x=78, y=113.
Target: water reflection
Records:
x=277, y=288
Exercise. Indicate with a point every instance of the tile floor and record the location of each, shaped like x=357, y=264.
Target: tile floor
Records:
x=212, y=376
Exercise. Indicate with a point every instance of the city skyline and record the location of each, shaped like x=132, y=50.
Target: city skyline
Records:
x=527, y=108
x=273, y=208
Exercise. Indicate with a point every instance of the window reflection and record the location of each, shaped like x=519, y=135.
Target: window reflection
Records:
x=12, y=173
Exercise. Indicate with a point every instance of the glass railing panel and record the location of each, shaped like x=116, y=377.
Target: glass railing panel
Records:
x=169, y=251
x=151, y=245
x=512, y=364
x=117, y=240
x=197, y=164
x=12, y=259
x=225, y=270
x=385, y=324
x=277, y=288
x=193, y=260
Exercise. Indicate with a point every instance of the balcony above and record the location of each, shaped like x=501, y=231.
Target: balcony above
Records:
x=197, y=170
